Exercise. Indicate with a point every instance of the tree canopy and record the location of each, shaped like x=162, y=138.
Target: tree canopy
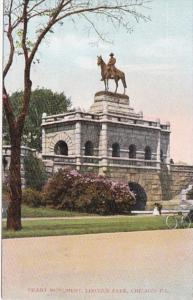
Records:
x=42, y=101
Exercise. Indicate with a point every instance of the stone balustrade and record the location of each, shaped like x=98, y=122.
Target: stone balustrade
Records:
x=181, y=168
x=91, y=160
x=69, y=160
x=6, y=151
x=136, y=163
x=95, y=160
x=48, y=120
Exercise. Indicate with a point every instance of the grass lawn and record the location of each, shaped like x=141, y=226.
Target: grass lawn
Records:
x=34, y=228
x=43, y=212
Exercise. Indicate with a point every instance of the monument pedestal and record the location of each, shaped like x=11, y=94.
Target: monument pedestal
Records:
x=111, y=103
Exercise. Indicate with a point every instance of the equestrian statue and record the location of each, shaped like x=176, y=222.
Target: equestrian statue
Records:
x=109, y=71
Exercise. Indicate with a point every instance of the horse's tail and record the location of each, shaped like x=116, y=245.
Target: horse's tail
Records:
x=124, y=81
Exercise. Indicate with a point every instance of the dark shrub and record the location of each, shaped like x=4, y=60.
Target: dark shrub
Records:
x=35, y=173
x=190, y=215
x=87, y=193
x=32, y=198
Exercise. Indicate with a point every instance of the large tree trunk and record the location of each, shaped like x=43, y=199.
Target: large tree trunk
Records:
x=14, y=207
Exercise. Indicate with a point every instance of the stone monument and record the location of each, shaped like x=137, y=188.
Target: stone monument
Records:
x=114, y=140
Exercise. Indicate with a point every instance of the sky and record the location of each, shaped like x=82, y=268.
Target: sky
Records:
x=157, y=59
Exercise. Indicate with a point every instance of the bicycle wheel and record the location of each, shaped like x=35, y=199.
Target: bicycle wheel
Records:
x=186, y=221
x=171, y=222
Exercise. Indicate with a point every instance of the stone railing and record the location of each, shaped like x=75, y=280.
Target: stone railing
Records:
x=6, y=150
x=69, y=116
x=91, y=160
x=139, y=163
x=60, y=159
x=95, y=160
x=181, y=168
x=46, y=120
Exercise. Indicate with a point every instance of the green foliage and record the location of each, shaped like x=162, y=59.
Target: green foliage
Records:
x=70, y=190
x=42, y=101
x=32, y=198
x=35, y=173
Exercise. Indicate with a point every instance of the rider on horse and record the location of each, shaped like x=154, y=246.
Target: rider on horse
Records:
x=111, y=70
x=111, y=66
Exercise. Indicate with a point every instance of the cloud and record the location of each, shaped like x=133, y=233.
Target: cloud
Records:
x=166, y=48
x=150, y=68
x=86, y=63
x=69, y=43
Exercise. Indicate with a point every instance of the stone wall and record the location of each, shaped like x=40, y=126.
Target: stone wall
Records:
x=148, y=179
x=181, y=177
x=159, y=185
x=53, y=136
x=125, y=136
x=90, y=132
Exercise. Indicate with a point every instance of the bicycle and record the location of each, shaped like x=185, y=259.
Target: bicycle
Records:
x=178, y=220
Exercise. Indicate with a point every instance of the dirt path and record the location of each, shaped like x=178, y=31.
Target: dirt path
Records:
x=136, y=265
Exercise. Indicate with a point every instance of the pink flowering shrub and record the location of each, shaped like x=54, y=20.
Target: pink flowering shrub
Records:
x=88, y=193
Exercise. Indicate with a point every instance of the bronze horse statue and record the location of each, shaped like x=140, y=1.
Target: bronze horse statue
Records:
x=106, y=75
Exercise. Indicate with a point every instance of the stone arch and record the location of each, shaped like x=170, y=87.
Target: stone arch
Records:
x=61, y=148
x=148, y=153
x=89, y=149
x=61, y=137
x=135, y=141
x=140, y=195
x=161, y=156
x=115, y=150
x=132, y=151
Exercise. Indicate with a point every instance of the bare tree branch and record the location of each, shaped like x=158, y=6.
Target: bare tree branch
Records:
x=25, y=24
x=100, y=9
x=95, y=28
x=49, y=25
x=11, y=43
x=36, y=5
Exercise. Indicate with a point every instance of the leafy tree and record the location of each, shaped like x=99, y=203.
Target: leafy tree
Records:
x=42, y=101
x=26, y=24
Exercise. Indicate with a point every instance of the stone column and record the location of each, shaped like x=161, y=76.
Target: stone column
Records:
x=158, y=149
x=43, y=141
x=168, y=149
x=168, y=155
x=103, y=151
x=78, y=144
x=43, y=135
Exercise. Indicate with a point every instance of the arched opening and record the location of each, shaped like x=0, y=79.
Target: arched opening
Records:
x=115, y=150
x=132, y=151
x=88, y=148
x=161, y=156
x=61, y=148
x=140, y=195
x=147, y=153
